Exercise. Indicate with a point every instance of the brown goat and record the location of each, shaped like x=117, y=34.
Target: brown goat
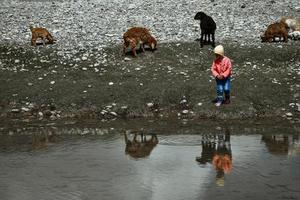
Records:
x=140, y=148
x=278, y=29
x=138, y=35
x=40, y=33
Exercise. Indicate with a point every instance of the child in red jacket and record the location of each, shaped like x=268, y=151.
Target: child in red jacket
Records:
x=221, y=70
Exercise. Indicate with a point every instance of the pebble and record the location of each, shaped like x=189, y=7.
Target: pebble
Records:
x=150, y=105
x=185, y=111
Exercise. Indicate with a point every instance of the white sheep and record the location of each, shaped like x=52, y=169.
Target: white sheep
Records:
x=292, y=22
x=295, y=35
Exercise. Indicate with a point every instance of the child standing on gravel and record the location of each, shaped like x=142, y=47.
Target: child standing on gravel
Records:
x=221, y=70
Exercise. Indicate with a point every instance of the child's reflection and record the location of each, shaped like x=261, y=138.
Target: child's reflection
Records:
x=217, y=150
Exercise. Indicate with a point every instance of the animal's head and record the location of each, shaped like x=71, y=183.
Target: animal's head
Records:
x=285, y=25
x=199, y=16
x=263, y=37
x=152, y=42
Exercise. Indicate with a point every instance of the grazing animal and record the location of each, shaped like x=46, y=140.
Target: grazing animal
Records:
x=207, y=26
x=295, y=35
x=277, y=29
x=140, y=148
x=292, y=23
x=40, y=33
x=138, y=35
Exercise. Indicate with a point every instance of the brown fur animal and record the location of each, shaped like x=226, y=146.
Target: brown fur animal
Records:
x=140, y=148
x=278, y=29
x=40, y=33
x=138, y=35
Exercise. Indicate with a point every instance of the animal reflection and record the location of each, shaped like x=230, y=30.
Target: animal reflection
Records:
x=216, y=149
x=281, y=144
x=140, y=148
x=42, y=140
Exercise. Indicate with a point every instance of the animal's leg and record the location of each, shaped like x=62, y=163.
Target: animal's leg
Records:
x=143, y=47
x=44, y=39
x=285, y=38
x=124, y=48
x=201, y=40
x=49, y=38
x=213, y=39
x=33, y=40
x=134, y=138
x=126, y=138
x=134, y=52
x=208, y=35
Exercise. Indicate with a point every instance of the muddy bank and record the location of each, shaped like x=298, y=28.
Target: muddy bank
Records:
x=174, y=81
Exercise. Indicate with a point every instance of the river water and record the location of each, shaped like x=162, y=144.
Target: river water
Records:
x=169, y=161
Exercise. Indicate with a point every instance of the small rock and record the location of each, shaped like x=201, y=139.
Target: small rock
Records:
x=150, y=105
x=25, y=109
x=185, y=111
x=289, y=114
x=183, y=101
x=113, y=113
x=124, y=107
x=110, y=83
x=218, y=128
x=15, y=110
x=127, y=59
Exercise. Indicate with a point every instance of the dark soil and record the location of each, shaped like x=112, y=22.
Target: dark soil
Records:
x=173, y=81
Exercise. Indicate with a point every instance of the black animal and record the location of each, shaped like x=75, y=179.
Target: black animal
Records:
x=208, y=28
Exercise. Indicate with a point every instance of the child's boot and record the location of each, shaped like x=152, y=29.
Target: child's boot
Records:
x=227, y=98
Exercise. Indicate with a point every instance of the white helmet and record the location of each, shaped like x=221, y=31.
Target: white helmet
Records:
x=219, y=50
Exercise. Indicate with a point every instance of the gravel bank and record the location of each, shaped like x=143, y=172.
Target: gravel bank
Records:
x=98, y=23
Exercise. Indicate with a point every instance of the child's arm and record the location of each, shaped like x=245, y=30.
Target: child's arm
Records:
x=214, y=70
x=228, y=65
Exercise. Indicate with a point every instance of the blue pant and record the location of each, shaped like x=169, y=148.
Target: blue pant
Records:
x=222, y=86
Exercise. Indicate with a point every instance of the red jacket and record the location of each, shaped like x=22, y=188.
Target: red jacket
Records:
x=221, y=66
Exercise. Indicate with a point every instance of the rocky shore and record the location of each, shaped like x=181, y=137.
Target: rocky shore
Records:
x=85, y=75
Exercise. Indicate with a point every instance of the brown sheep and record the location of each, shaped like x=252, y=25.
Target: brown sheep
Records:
x=40, y=33
x=278, y=29
x=138, y=35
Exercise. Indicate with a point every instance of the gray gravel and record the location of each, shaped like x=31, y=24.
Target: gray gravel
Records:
x=98, y=23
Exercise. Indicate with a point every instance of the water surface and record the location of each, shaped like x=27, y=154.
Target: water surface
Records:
x=223, y=162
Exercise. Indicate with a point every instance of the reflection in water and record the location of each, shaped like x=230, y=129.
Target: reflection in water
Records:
x=140, y=148
x=282, y=144
x=216, y=149
x=42, y=140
